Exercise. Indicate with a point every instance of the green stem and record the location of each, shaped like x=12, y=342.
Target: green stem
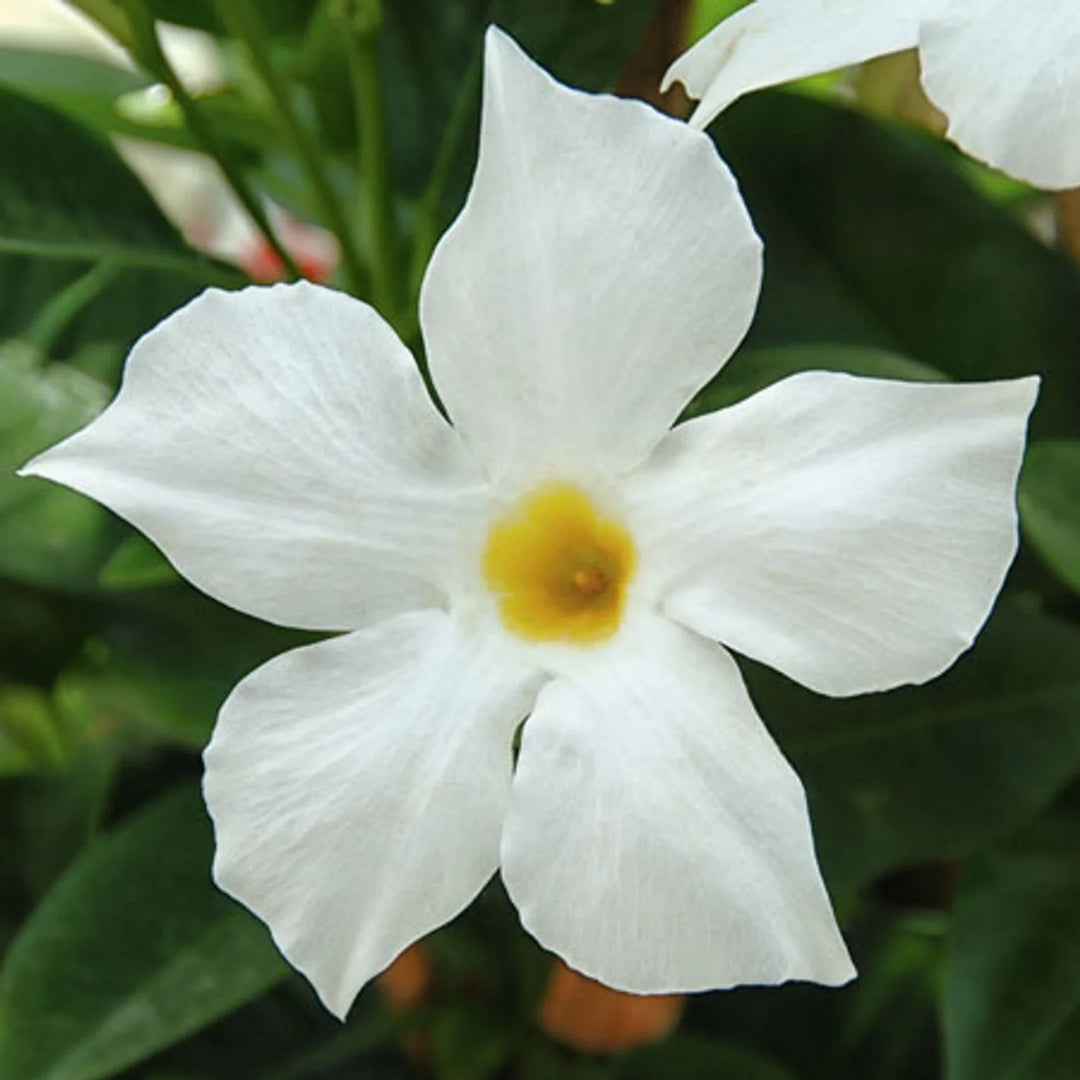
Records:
x=203, y=270
x=153, y=56
x=428, y=213
x=100, y=783
x=377, y=199
x=243, y=21
x=63, y=308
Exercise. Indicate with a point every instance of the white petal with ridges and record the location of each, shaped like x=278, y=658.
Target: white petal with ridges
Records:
x=1007, y=75
x=775, y=41
x=602, y=270
x=279, y=446
x=851, y=532
x=358, y=788
x=657, y=840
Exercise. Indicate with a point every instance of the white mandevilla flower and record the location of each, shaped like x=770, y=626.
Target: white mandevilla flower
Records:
x=556, y=554
x=1006, y=73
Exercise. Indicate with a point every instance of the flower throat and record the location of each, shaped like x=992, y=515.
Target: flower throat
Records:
x=559, y=569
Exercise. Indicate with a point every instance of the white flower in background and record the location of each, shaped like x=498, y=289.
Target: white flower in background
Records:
x=557, y=554
x=188, y=186
x=314, y=249
x=1006, y=73
x=55, y=25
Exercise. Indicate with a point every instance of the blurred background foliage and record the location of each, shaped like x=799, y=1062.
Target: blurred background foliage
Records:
x=947, y=816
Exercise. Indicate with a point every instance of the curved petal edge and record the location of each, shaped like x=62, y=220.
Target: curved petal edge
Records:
x=603, y=268
x=657, y=840
x=279, y=446
x=770, y=42
x=853, y=533
x=358, y=788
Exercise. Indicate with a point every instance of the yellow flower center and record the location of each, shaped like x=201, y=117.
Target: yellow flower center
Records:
x=558, y=568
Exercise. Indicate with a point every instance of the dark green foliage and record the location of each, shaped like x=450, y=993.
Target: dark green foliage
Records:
x=937, y=771
x=64, y=193
x=1012, y=991
x=48, y=536
x=1050, y=506
x=133, y=949
x=873, y=236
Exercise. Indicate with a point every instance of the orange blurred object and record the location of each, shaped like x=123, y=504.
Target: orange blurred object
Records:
x=588, y=1016
x=314, y=250
x=1068, y=213
x=407, y=981
x=263, y=265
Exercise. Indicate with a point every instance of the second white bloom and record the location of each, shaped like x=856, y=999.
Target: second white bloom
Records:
x=1006, y=73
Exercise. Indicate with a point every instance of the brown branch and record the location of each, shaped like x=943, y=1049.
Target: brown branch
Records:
x=664, y=41
x=1067, y=204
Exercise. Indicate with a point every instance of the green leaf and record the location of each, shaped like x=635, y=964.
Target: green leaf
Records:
x=891, y=1020
x=64, y=193
x=131, y=951
x=165, y=667
x=751, y=370
x=1049, y=499
x=278, y=16
x=47, y=817
x=109, y=15
x=136, y=564
x=81, y=87
x=30, y=734
x=1012, y=989
x=426, y=49
x=708, y=13
x=121, y=312
x=940, y=770
x=110, y=99
x=40, y=632
x=14, y=759
x=694, y=1057
x=469, y=1042
x=585, y=45
x=874, y=236
x=48, y=535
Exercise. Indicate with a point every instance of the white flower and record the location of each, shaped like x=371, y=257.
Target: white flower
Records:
x=53, y=24
x=556, y=554
x=1006, y=73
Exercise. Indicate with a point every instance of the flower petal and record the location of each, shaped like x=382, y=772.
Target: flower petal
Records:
x=657, y=840
x=357, y=788
x=851, y=532
x=1027, y=123
x=279, y=446
x=774, y=41
x=603, y=268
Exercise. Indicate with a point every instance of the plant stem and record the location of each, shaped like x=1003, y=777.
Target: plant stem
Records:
x=427, y=217
x=376, y=194
x=61, y=310
x=244, y=23
x=151, y=53
x=201, y=269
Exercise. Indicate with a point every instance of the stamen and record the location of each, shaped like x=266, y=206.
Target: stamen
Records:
x=590, y=581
